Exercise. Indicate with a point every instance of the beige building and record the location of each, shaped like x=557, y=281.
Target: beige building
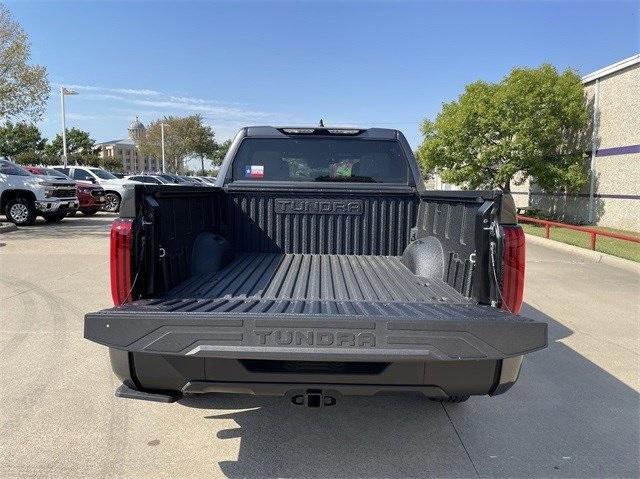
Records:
x=127, y=152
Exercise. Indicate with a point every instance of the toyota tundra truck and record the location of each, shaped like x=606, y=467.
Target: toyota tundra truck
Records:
x=318, y=266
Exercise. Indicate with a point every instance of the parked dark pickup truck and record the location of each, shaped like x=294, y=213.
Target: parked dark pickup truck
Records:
x=318, y=266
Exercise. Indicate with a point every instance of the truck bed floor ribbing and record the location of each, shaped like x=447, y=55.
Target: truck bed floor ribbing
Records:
x=316, y=277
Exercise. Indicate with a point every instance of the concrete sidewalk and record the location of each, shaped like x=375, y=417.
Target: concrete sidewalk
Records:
x=574, y=412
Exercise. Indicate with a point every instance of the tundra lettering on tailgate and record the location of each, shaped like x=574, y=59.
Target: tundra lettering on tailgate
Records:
x=283, y=337
x=320, y=206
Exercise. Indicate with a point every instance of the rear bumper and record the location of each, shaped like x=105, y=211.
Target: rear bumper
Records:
x=493, y=336
x=167, y=378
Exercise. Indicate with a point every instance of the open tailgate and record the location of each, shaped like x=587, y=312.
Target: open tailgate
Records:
x=315, y=330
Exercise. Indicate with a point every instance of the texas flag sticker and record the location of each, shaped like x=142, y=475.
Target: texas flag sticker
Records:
x=254, y=171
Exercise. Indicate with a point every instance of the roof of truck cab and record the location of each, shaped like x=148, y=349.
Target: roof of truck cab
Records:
x=281, y=132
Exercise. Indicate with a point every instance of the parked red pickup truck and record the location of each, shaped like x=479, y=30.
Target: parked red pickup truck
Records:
x=90, y=197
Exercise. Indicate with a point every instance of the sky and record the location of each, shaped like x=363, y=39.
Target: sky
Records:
x=386, y=64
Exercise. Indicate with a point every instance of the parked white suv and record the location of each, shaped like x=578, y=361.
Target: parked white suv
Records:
x=24, y=196
x=113, y=187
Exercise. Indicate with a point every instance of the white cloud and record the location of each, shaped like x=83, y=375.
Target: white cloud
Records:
x=220, y=111
x=137, y=92
x=153, y=99
x=104, y=96
x=202, y=101
x=126, y=91
x=113, y=106
x=82, y=116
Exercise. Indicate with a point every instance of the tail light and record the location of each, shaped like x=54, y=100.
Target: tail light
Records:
x=121, y=261
x=513, y=258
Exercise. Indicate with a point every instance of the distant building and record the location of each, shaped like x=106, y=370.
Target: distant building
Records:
x=126, y=150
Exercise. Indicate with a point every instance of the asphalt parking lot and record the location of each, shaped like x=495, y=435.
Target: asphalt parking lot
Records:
x=574, y=413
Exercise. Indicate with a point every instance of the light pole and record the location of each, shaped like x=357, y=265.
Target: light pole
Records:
x=162, y=142
x=63, y=93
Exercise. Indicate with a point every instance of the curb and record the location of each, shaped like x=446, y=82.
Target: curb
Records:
x=595, y=256
x=7, y=227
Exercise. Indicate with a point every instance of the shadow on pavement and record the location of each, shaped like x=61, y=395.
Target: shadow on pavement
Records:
x=359, y=437
x=566, y=417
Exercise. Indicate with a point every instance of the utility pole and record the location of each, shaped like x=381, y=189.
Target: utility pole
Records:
x=63, y=93
x=162, y=142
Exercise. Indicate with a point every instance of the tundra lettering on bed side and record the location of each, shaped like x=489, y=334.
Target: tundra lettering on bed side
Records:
x=320, y=206
x=280, y=337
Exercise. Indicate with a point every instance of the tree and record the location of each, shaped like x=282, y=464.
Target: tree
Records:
x=78, y=142
x=110, y=163
x=20, y=138
x=203, y=144
x=24, y=88
x=183, y=137
x=221, y=152
x=175, y=149
x=89, y=158
x=86, y=160
x=29, y=157
x=531, y=124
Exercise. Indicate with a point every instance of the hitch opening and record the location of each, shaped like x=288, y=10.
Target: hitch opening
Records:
x=313, y=398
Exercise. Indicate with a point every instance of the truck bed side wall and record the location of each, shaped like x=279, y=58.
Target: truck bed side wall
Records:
x=453, y=224
x=177, y=218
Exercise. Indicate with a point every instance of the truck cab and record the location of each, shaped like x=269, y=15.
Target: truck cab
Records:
x=24, y=196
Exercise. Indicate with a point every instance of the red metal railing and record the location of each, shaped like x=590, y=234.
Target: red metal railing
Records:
x=585, y=229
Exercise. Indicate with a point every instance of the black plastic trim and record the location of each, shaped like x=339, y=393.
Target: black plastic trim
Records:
x=124, y=391
x=290, y=389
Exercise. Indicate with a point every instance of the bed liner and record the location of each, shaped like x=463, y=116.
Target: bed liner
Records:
x=315, y=277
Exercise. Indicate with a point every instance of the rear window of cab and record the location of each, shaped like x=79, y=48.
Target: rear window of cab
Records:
x=320, y=160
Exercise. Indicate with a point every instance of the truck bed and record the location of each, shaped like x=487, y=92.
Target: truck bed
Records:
x=305, y=306
x=308, y=283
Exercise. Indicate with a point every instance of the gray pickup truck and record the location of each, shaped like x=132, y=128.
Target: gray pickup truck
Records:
x=318, y=266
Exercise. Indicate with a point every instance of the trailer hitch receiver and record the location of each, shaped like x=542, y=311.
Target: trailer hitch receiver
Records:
x=313, y=398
